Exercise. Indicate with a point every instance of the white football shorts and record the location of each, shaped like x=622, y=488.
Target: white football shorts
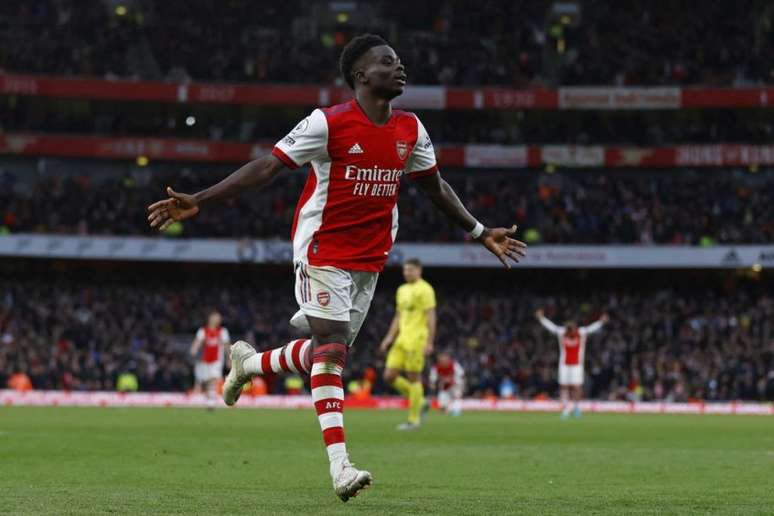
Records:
x=207, y=371
x=570, y=374
x=334, y=294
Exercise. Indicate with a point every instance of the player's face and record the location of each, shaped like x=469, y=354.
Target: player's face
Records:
x=214, y=320
x=571, y=326
x=411, y=272
x=383, y=71
x=444, y=360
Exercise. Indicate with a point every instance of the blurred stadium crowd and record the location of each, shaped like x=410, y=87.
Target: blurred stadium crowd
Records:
x=663, y=343
x=268, y=125
x=674, y=337
x=446, y=42
x=701, y=207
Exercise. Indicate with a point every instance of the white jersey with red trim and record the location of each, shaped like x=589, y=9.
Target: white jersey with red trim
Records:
x=572, y=347
x=347, y=215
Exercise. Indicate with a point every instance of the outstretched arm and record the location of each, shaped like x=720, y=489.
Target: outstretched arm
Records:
x=432, y=321
x=548, y=324
x=497, y=240
x=179, y=206
x=306, y=142
x=596, y=325
x=254, y=175
x=391, y=334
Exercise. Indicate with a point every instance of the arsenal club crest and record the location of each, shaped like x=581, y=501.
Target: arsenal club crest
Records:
x=402, y=148
x=323, y=298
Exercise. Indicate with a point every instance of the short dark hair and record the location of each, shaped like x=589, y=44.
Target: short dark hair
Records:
x=353, y=50
x=413, y=261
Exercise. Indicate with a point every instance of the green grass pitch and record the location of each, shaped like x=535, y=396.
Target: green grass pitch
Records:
x=172, y=461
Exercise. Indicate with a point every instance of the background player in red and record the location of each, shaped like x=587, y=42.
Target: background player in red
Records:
x=208, y=371
x=345, y=224
x=448, y=379
x=572, y=348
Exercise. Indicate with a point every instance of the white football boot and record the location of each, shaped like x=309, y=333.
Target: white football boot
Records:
x=237, y=377
x=348, y=481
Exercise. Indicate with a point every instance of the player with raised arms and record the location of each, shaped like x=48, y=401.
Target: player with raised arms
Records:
x=345, y=224
x=572, y=349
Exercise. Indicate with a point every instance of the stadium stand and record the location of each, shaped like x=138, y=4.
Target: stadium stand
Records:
x=700, y=176
x=636, y=207
x=523, y=43
x=631, y=141
x=708, y=336
x=41, y=115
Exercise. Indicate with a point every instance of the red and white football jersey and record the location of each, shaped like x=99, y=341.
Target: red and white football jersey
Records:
x=447, y=376
x=347, y=216
x=572, y=347
x=213, y=340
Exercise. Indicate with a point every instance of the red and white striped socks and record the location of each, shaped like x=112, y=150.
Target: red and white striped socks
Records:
x=294, y=357
x=325, y=366
x=328, y=396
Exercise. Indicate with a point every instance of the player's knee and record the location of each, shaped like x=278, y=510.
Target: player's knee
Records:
x=330, y=353
x=331, y=338
x=329, y=332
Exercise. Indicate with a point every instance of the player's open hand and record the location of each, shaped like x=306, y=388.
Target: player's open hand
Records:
x=177, y=207
x=500, y=244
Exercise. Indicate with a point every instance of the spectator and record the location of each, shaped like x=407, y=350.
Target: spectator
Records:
x=668, y=339
x=517, y=43
x=704, y=207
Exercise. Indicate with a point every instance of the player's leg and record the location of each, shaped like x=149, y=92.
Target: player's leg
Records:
x=198, y=377
x=211, y=392
x=445, y=400
x=214, y=376
x=414, y=363
x=323, y=356
x=455, y=406
x=329, y=356
x=564, y=389
x=564, y=396
x=577, y=391
x=332, y=339
x=324, y=296
x=293, y=357
x=416, y=397
x=362, y=291
x=394, y=365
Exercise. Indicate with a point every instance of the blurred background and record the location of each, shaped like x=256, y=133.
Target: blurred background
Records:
x=633, y=143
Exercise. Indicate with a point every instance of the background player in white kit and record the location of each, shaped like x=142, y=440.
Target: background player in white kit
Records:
x=208, y=371
x=572, y=348
x=448, y=379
